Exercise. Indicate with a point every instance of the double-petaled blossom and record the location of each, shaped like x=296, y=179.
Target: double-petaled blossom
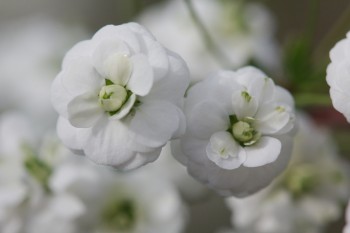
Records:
x=119, y=97
x=239, y=131
x=338, y=76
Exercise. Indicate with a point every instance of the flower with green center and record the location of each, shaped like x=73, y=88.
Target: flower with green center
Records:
x=119, y=97
x=243, y=122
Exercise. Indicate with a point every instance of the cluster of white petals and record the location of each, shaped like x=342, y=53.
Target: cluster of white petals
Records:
x=238, y=137
x=307, y=197
x=242, y=32
x=338, y=74
x=119, y=97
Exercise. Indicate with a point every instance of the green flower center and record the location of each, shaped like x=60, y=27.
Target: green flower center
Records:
x=121, y=215
x=243, y=131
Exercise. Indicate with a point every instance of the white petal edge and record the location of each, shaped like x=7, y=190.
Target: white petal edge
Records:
x=265, y=151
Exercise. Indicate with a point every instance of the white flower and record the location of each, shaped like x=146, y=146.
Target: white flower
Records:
x=242, y=32
x=338, y=74
x=118, y=96
x=237, y=139
x=140, y=202
x=308, y=196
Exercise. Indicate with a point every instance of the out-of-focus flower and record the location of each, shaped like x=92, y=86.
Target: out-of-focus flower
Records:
x=57, y=214
x=238, y=138
x=31, y=49
x=308, y=195
x=338, y=74
x=119, y=96
x=140, y=202
x=242, y=33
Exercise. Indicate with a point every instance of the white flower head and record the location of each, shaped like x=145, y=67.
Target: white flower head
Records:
x=119, y=97
x=338, y=73
x=238, y=136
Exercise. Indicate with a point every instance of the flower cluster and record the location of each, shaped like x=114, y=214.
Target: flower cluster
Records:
x=46, y=189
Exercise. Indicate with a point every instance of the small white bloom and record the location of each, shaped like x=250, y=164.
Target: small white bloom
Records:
x=338, y=74
x=307, y=197
x=119, y=97
x=238, y=131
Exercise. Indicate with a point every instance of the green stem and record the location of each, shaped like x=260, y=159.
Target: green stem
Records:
x=208, y=40
x=312, y=99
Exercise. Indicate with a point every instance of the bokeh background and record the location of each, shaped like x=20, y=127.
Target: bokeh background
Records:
x=330, y=20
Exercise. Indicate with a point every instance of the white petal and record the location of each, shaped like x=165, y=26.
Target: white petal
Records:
x=244, y=106
x=265, y=151
x=73, y=138
x=341, y=102
x=155, y=123
x=206, y=119
x=79, y=76
x=157, y=56
x=60, y=97
x=283, y=96
x=125, y=109
x=109, y=143
x=172, y=87
x=82, y=49
x=224, y=151
x=271, y=120
x=140, y=159
x=141, y=80
x=106, y=49
x=84, y=110
x=121, y=32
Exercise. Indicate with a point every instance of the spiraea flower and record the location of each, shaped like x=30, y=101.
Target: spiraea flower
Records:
x=238, y=136
x=338, y=76
x=119, y=96
x=307, y=197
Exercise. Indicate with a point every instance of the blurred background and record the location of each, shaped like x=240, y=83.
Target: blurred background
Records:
x=290, y=40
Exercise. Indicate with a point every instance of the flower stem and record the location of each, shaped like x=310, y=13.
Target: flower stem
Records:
x=208, y=40
x=312, y=99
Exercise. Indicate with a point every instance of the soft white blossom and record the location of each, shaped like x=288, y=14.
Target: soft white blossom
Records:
x=119, y=97
x=238, y=136
x=306, y=197
x=138, y=202
x=338, y=74
x=242, y=33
